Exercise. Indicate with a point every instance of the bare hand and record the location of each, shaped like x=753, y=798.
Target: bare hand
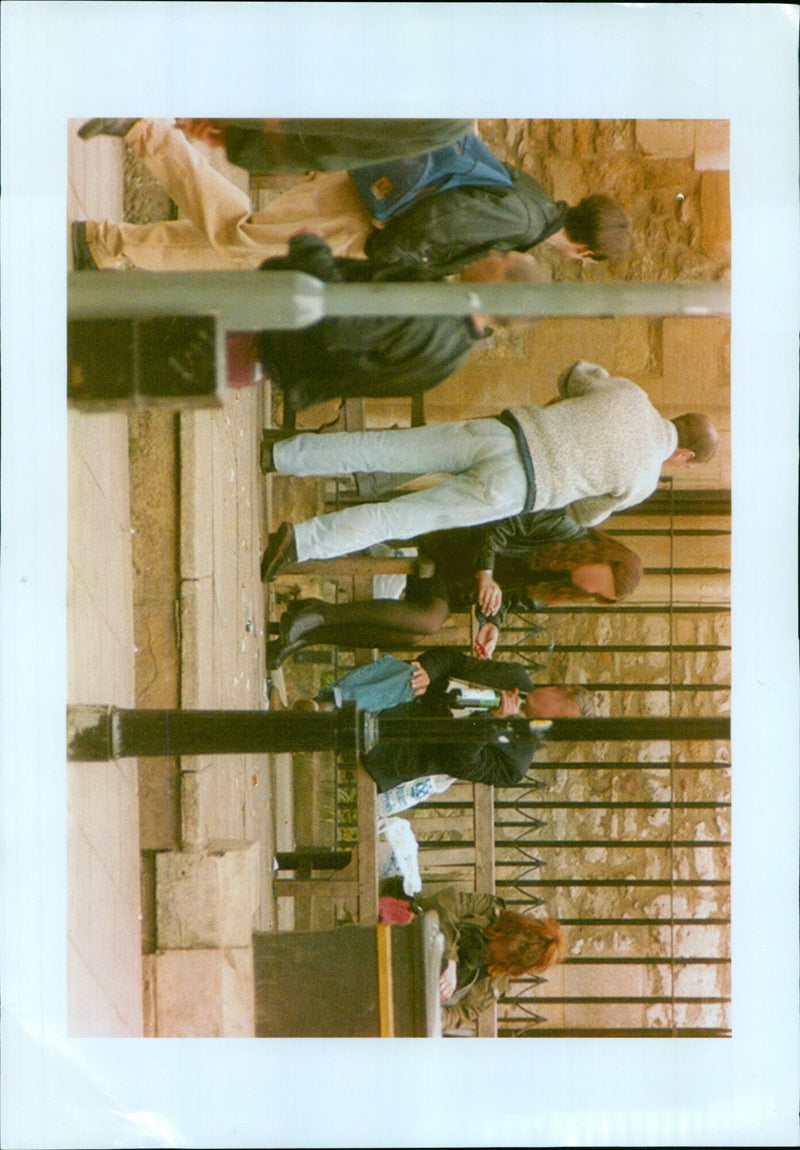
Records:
x=204, y=130
x=447, y=981
x=420, y=679
x=509, y=704
x=486, y=641
x=489, y=594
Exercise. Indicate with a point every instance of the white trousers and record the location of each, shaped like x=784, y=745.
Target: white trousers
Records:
x=220, y=232
x=486, y=481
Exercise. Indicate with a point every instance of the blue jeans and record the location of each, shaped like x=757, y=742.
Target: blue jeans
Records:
x=374, y=686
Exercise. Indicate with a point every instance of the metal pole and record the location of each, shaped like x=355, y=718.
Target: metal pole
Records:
x=252, y=301
x=99, y=733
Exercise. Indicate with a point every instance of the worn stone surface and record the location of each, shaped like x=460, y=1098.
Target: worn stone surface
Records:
x=208, y=898
x=206, y=993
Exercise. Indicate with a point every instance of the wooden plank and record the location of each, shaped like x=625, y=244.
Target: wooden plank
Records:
x=367, y=849
x=485, y=878
x=354, y=415
x=484, y=839
x=431, y=856
x=385, y=980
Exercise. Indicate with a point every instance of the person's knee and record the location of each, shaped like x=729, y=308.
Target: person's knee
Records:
x=433, y=618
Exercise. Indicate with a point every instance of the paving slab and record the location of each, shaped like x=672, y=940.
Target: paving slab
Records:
x=103, y=916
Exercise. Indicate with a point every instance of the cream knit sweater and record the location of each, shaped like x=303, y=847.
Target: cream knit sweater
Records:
x=598, y=451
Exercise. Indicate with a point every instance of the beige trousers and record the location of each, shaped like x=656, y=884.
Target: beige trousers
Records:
x=220, y=232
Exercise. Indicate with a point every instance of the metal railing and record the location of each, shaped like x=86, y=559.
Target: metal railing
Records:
x=628, y=845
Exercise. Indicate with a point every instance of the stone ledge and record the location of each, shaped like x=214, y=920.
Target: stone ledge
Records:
x=209, y=897
x=206, y=993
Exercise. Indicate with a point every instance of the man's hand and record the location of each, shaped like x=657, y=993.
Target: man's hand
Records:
x=488, y=593
x=447, y=981
x=509, y=704
x=420, y=679
x=486, y=641
x=204, y=130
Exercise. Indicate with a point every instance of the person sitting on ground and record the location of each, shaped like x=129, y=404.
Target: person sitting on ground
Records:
x=596, y=450
x=437, y=684
x=486, y=945
x=438, y=235
x=514, y=566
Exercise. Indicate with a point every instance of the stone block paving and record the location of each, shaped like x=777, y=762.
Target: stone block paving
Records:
x=223, y=623
x=103, y=908
x=104, y=932
x=113, y=988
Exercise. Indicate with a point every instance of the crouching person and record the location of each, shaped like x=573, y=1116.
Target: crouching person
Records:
x=486, y=945
x=443, y=681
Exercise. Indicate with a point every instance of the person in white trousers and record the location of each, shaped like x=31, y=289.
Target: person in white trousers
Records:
x=598, y=448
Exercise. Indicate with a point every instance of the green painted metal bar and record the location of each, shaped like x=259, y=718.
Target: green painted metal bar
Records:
x=616, y=882
x=596, y=648
x=664, y=960
x=613, y=1032
x=655, y=922
x=250, y=301
x=602, y=1000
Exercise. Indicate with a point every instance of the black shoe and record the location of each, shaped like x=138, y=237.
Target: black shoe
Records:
x=278, y=653
x=99, y=127
x=82, y=258
x=280, y=553
x=269, y=438
x=301, y=617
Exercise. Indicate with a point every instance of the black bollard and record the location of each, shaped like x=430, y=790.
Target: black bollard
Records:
x=102, y=733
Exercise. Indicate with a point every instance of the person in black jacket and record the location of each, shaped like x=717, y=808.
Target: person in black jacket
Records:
x=503, y=757
x=365, y=355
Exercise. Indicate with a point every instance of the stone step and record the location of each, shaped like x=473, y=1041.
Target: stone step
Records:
x=208, y=897
x=200, y=993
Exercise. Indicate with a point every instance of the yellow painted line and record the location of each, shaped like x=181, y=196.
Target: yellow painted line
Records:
x=385, y=983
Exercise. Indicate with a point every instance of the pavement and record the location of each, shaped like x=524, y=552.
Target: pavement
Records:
x=219, y=610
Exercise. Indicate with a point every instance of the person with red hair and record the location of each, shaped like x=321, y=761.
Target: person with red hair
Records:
x=538, y=559
x=486, y=945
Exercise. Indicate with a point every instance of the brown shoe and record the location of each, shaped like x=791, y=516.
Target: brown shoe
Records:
x=281, y=552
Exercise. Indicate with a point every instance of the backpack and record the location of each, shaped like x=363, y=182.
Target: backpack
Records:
x=438, y=234
x=390, y=187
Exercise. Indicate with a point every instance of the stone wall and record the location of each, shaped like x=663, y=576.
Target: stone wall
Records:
x=672, y=178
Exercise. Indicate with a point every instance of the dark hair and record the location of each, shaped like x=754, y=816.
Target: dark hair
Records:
x=555, y=562
x=534, y=944
x=601, y=224
x=697, y=433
